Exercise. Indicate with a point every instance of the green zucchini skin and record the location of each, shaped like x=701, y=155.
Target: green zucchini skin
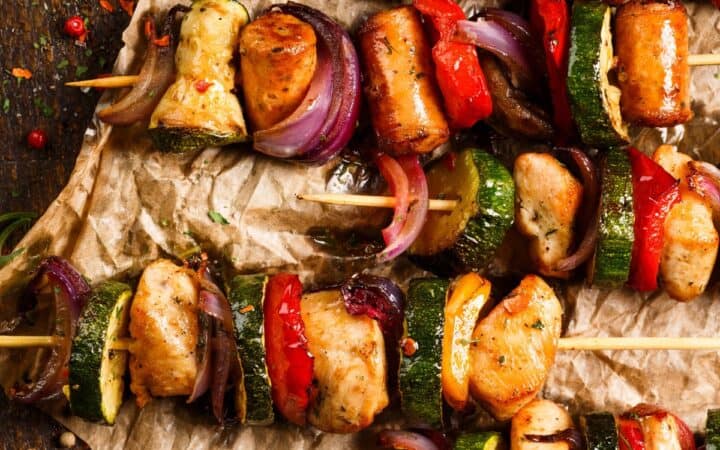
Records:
x=246, y=294
x=585, y=78
x=600, y=431
x=420, y=382
x=496, y=213
x=617, y=219
x=90, y=394
x=492, y=216
x=485, y=440
x=712, y=430
x=182, y=140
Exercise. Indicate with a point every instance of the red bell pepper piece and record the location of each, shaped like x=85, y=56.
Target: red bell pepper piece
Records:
x=550, y=19
x=655, y=192
x=290, y=366
x=685, y=434
x=457, y=67
x=630, y=434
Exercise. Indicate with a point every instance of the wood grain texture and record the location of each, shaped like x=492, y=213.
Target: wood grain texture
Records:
x=32, y=38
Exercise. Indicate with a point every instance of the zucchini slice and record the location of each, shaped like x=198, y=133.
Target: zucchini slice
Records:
x=594, y=100
x=468, y=236
x=420, y=382
x=200, y=109
x=600, y=431
x=712, y=430
x=611, y=265
x=96, y=371
x=246, y=301
x=466, y=300
x=486, y=440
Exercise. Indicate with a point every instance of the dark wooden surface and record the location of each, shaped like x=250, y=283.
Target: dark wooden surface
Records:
x=31, y=37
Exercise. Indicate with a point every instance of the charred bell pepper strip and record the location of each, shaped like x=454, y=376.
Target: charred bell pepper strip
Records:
x=630, y=434
x=457, y=67
x=290, y=366
x=655, y=192
x=550, y=19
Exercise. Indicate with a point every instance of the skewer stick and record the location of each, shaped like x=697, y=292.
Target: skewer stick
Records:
x=119, y=81
x=708, y=59
x=29, y=341
x=567, y=343
x=639, y=343
x=373, y=201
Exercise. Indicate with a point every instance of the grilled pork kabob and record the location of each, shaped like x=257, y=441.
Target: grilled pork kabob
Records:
x=326, y=358
x=545, y=425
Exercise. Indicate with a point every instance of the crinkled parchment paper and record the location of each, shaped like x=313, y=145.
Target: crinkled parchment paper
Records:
x=127, y=204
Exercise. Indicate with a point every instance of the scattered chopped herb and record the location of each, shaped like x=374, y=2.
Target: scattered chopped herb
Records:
x=80, y=71
x=6, y=105
x=538, y=325
x=151, y=93
x=63, y=63
x=189, y=234
x=15, y=193
x=43, y=40
x=387, y=45
x=45, y=109
x=36, y=45
x=88, y=52
x=164, y=222
x=218, y=218
x=101, y=61
x=501, y=359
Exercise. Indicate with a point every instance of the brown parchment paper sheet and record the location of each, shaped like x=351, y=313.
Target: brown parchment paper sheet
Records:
x=127, y=204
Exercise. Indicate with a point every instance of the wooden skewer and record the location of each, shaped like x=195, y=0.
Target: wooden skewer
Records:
x=50, y=341
x=709, y=59
x=119, y=81
x=373, y=201
x=639, y=343
x=567, y=343
x=29, y=341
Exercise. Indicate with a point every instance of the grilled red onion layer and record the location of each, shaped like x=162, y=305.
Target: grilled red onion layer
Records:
x=325, y=120
x=70, y=291
x=414, y=219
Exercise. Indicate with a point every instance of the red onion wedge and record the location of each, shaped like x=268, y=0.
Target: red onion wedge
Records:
x=397, y=180
x=316, y=132
x=407, y=440
x=417, y=212
x=571, y=436
x=591, y=198
x=494, y=37
x=156, y=75
x=704, y=179
x=57, y=277
x=204, y=355
x=514, y=23
x=220, y=345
